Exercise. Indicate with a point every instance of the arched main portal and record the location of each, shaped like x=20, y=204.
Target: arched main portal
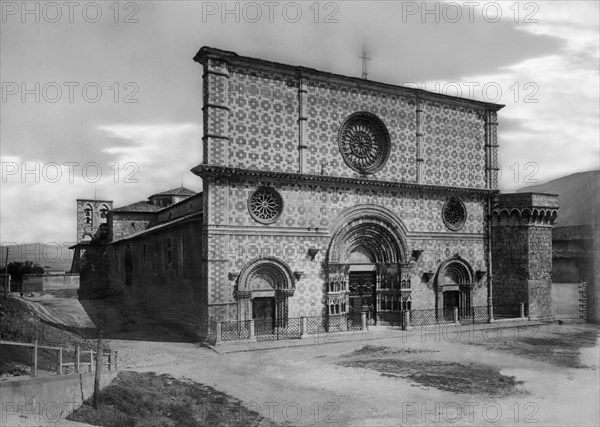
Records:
x=263, y=289
x=367, y=265
x=454, y=285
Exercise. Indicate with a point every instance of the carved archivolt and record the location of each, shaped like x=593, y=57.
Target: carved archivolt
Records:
x=372, y=227
x=265, y=274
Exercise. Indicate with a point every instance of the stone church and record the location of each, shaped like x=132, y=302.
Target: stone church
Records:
x=325, y=194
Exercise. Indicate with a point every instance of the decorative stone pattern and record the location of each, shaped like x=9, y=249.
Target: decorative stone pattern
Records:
x=264, y=109
x=453, y=146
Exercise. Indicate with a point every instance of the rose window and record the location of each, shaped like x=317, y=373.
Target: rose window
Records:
x=454, y=214
x=364, y=142
x=265, y=205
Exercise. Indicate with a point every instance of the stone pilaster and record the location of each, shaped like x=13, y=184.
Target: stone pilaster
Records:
x=215, y=111
x=491, y=149
x=419, y=138
x=302, y=120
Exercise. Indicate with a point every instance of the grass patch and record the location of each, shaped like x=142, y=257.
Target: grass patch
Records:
x=147, y=399
x=447, y=376
x=467, y=378
x=379, y=351
x=559, y=347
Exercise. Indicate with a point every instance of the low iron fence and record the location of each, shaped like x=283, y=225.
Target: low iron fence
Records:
x=295, y=328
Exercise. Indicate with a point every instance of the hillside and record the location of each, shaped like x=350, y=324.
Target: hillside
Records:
x=51, y=255
x=578, y=197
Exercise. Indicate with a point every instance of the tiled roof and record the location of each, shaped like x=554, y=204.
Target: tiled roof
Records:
x=180, y=191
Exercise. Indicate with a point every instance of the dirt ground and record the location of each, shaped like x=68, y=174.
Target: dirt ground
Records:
x=546, y=375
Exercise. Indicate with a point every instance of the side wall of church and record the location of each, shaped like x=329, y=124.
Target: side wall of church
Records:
x=165, y=276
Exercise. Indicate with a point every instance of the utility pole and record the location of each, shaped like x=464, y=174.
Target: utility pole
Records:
x=98, y=366
x=6, y=283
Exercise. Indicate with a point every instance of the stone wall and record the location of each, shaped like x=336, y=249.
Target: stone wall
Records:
x=44, y=282
x=522, y=251
x=122, y=224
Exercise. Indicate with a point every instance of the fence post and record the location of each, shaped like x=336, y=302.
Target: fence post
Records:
x=491, y=313
x=110, y=360
x=59, y=361
x=251, y=327
x=455, y=314
x=363, y=320
x=77, y=359
x=34, y=359
x=116, y=366
x=304, y=327
x=218, y=338
x=522, y=310
x=91, y=368
x=406, y=323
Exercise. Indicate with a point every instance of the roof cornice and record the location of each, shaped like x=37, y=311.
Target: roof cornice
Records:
x=206, y=53
x=237, y=174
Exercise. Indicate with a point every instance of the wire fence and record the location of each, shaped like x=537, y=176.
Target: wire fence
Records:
x=295, y=328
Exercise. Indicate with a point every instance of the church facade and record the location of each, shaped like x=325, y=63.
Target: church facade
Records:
x=326, y=195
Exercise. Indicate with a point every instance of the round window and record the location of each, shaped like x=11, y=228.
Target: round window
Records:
x=364, y=142
x=454, y=214
x=265, y=205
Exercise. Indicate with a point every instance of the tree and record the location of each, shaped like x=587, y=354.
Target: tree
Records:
x=18, y=269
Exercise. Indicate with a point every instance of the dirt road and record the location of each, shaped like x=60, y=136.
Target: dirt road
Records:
x=546, y=376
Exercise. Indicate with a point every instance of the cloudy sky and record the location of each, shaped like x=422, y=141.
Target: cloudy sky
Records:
x=103, y=98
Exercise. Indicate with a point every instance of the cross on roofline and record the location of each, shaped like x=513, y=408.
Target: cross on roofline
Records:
x=365, y=58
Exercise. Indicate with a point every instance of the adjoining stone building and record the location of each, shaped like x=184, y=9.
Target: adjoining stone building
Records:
x=325, y=194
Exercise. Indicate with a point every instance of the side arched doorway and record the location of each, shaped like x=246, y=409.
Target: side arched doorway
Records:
x=454, y=287
x=263, y=289
x=367, y=267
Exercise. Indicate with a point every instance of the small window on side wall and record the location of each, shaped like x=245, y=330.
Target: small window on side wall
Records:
x=169, y=251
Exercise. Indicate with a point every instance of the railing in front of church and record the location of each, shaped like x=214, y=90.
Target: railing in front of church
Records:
x=297, y=327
